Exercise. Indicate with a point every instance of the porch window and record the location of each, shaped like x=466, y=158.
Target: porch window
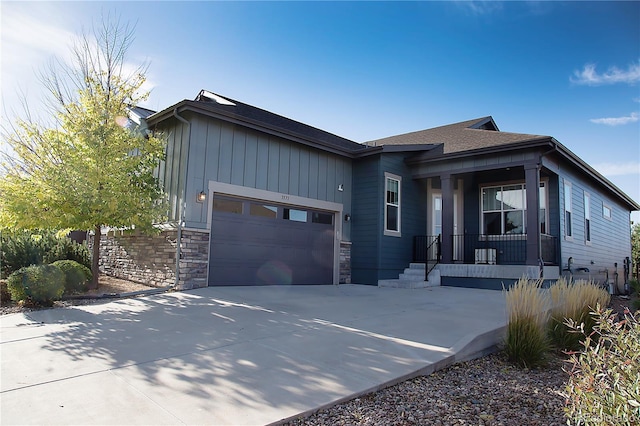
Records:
x=392, y=205
x=504, y=209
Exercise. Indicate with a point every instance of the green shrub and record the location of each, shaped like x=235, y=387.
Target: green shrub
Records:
x=526, y=343
x=76, y=276
x=604, y=383
x=634, y=285
x=38, y=284
x=20, y=249
x=24, y=248
x=573, y=300
x=66, y=249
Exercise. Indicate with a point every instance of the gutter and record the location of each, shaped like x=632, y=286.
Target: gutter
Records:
x=181, y=202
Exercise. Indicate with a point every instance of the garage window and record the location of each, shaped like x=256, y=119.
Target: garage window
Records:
x=295, y=215
x=322, y=218
x=263, y=210
x=227, y=206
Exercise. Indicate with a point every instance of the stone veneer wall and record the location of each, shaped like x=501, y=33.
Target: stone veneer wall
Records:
x=151, y=259
x=345, y=262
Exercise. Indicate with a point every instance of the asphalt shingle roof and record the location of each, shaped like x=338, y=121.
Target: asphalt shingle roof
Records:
x=219, y=103
x=459, y=137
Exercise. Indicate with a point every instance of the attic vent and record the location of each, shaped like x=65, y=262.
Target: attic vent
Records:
x=205, y=95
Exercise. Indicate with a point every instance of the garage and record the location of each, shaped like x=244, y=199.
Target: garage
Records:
x=255, y=242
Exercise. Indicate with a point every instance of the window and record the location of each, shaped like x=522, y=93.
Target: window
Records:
x=392, y=205
x=606, y=211
x=543, y=207
x=568, y=229
x=227, y=206
x=322, y=218
x=437, y=215
x=587, y=218
x=263, y=210
x=504, y=209
x=295, y=215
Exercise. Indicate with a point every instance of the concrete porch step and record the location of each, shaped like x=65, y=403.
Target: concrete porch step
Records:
x=413, y=277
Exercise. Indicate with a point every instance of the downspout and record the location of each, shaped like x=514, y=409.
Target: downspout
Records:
x=540, y=260
x=181, y=200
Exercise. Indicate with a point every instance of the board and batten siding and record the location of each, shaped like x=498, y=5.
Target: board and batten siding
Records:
x=610, y=238
x=229, y=153
x=171, y=171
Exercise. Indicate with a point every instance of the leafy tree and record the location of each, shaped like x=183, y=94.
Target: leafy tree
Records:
x=85, y=169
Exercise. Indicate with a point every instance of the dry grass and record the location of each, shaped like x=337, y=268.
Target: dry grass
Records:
x=527, y=344
x=573, y=300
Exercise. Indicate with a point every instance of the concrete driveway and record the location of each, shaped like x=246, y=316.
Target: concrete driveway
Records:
x=233, y=355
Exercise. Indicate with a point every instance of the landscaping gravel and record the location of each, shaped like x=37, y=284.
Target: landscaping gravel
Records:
x=485, y=391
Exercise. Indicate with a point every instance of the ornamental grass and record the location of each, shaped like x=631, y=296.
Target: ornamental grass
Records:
x=526, y=343
x=573, y=300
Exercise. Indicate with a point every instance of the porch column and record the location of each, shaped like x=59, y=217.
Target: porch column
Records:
x=446, y=184
x=532, y=182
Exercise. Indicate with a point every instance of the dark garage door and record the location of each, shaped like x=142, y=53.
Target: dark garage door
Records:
x=263, y=243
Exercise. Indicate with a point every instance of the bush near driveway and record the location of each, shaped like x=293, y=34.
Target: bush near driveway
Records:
x=76, y=276
x=19, y=249
x=38, y=284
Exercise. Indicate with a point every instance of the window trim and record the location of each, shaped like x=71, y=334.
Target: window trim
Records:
x=568, y=230
x=587, y=218
x=390, y=232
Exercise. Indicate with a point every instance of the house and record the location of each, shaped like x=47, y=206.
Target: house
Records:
x=258, y=199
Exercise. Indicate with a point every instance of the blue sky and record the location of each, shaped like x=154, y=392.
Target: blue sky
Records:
x=370, y=70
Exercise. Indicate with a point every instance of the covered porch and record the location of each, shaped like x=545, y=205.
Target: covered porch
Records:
x=479, y=216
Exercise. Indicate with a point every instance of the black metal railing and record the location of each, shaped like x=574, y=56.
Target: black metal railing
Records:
x=508, y=249
x=427, y=249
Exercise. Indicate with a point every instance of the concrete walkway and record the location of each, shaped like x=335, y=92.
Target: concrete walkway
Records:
x=233, y=355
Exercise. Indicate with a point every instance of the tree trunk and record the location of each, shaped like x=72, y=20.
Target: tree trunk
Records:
x=95, y=257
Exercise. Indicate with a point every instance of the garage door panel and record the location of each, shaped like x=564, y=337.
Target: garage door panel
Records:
x=255, y=250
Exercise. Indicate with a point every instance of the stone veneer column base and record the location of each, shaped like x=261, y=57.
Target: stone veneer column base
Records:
x=345, y=262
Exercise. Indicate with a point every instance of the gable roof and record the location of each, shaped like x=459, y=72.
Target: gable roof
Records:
x=467, y=135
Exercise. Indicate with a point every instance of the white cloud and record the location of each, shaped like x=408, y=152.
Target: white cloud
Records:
x=618, y=169
x=617, y=121
x=481, y=7
x=590, y=77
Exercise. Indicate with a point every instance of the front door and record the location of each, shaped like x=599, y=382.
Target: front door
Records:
x=436, y=223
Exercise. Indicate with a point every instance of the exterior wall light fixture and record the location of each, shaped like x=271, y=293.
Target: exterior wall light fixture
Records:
x=341, y=187
x=347, y=217
x=201, y=196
